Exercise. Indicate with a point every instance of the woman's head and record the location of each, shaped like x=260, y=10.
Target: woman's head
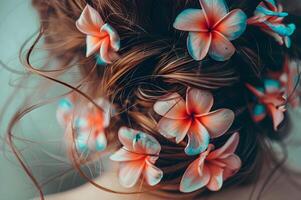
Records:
x=154, y=63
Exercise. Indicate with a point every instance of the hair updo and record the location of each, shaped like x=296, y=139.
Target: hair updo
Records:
x=153, y=62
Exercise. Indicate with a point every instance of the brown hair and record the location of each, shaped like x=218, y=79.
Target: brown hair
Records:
x=153, y=62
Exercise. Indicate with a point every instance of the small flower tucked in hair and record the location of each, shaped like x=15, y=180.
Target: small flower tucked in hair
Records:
x=211, y=29
x=212, y=167
x=269, y=17
x=289, y=79
x=137, y=156
x=271, y=101
x=100, y=36
x=88, y=122
x=192, y=118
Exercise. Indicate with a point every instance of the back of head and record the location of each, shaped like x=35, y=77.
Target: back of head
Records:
x=156, y=64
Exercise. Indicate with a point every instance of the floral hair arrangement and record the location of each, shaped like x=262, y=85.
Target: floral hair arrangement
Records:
x=210, y=32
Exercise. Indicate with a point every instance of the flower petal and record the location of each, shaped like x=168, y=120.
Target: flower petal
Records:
x=198, y=44
x=126, y=137
x=198, y=101
x=93, y=44
x=232, y=162
x=192, y=180
x=125, y=155
x=255, y=91
x=217, y=122
x=191, y=20
x=172, y=106
x=64, y=111
x=81, y=142
x=174, y=128
x=90, y=22
x=281, y=29
x=214, y=10
x=130, y=172
x=226, y=150
x=259, y=112
x=233, y=24
x=107, y=109
x=146, y=144
x=105, y=51
x=152, y=174
x=198, y=139
x=114, y=37
x=216, y=179
x=276, y=115
x=101, y=142
x=221, y=48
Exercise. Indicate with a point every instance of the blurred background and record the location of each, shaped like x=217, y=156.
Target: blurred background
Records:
x=39, y=137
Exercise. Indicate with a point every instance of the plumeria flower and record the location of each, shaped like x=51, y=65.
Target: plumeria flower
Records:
x=211, y=29
x=269, y=17
x=65, y=110
x=212, y=167
x=88, y=122
x=271, y=101
x=289, y=78
x=101, y=36
x=192, y=118
x=137, y=157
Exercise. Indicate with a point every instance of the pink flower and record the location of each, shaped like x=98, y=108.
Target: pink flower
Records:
x=273, y=101
x=211, y=29
x=88, y=122
x=269, y=17
x=212, y=167
x=192, y=118
x=137, y=156
x=289, y=80
x=100, y=36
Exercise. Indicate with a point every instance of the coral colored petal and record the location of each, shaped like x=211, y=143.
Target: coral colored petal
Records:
x=105, y=50
x=192, y=180
x=217, y=122
x=126, y=137
x=191, y=20
x=90, y=22
x=198, y=44
x=277, y=116
x=232, y=162
x=233, y=24
x=114, y=37
x=146, y=144
x=198, y=139
x=255, y=91
x=101, y=142
x=107, y=109
x=221, y=48
x=125, y=155
x=216, y=179
x=93, y=44
x=214, y=10
x=174, y=128
x=152, y=174
x=198, y=101
x=130, y=172
x=227, y=149
x=172, y=106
